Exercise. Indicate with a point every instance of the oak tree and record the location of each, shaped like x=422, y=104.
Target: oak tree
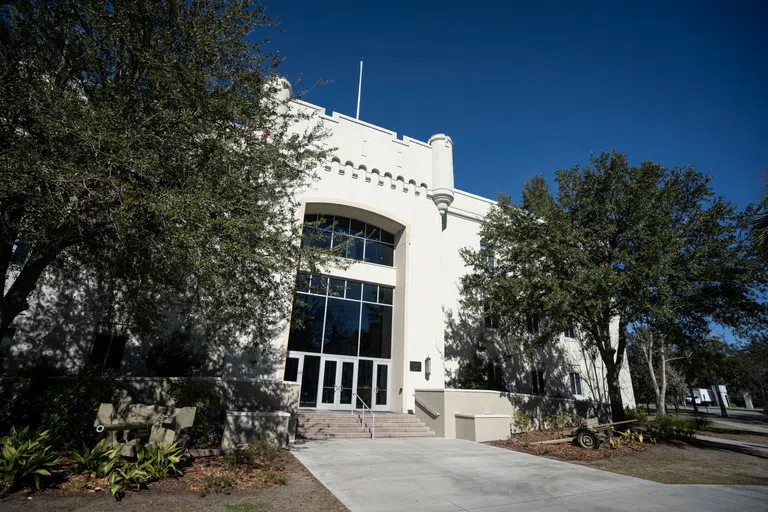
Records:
x=617, y=245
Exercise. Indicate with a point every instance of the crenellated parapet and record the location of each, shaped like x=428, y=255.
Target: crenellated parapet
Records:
x=376, y=155
x=375, y=176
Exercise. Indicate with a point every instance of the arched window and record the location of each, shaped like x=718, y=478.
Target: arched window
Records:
x=368, y=242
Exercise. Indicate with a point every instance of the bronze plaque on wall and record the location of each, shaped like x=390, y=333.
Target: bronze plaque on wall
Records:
x=415, y=366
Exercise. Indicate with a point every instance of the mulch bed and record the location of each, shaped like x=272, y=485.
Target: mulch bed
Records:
x=524, y=442
x=197, y=477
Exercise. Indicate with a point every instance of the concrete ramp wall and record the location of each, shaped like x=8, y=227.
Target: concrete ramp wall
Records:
x=437, y=408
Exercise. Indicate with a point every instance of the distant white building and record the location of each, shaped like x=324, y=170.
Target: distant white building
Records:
x=379, y=329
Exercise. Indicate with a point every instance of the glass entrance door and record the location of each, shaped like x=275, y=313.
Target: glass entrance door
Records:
x=337, y=379
x=335, y=382
x=373, y=384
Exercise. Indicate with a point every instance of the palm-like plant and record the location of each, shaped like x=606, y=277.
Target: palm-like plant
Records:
x=26, y=457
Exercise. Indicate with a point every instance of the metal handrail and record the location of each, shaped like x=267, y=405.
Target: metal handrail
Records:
x=362, y=419
x=427, y=408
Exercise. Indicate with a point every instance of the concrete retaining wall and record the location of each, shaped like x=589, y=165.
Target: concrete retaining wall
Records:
x=242, y=427
x=448, y=402
x=482, y=427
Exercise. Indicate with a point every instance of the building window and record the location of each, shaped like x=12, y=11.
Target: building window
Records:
x=366, y=242
x=491, y=319
x=533, y=324
x=575, y=384
x=570, y=332
x=537, y=382
x=291, y=369
x=489, y=256
x=342, y=317
x=107, y=351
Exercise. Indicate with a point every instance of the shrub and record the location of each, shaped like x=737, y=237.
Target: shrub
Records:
x=209, y=417
x=576, y=419
x=64, y=405
x=700, y=422
x=177, y=356
x=125, y=477
x=26, y=457
x=557, y=421
x=259, y=454
x=638, y=413
x=215, y=484
x=522, y=421
x=158, y=461
x=98, y=461
x=670, y=427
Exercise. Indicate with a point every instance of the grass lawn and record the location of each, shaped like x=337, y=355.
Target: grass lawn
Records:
x=735, y=433
x=684, y=463
x=301, y=492
x=669, y=463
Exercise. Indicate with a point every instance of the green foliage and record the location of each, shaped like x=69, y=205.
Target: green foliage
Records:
x=669, y=427
x=125, y=477
x=209, y=417
x=558, y=420
x=27, y=457
x=158, y=461
x=522, y=421
x=258, y=454
x=641, y=243
x=177, y=356
x=634, y=439
x=701, y=422
x=156, y=155
x=576, y=419
x=614, y=443
x=273, y=477
x=97, y=461
x=217, y=484
x=638, y=413
x=64, y=405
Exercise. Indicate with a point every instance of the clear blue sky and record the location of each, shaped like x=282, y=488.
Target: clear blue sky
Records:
x=530, y=88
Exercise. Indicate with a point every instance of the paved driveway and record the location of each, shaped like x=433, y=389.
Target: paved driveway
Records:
x=433, y=474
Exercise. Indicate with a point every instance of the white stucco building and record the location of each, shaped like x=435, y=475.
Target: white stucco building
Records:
x=377, y=331
x=397, y=196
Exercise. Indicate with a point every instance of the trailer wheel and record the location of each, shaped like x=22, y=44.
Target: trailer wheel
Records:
x=587, y=439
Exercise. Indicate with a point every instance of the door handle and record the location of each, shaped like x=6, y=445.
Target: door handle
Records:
x=375, y=389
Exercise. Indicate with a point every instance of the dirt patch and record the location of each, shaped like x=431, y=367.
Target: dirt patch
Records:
x=250, y=492
x=525, y=442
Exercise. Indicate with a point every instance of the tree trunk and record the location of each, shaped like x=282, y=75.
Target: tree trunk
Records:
x=661, y=390
x=723, y=410
x=15, y=301
x=614, y=391
x=693, y=398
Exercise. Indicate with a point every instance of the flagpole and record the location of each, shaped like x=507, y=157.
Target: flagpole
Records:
x=359, y=89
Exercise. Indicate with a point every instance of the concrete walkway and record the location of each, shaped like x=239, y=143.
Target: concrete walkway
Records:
x=434, y=474
x=743, y=426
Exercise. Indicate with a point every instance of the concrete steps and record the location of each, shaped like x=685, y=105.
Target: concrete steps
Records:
x=323, y=425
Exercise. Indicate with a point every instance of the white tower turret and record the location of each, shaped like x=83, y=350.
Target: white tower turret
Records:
x=278, y=94
x=442, y=171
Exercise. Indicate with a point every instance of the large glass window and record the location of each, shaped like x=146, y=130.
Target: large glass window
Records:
x=368, y=242
x=340, y=316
